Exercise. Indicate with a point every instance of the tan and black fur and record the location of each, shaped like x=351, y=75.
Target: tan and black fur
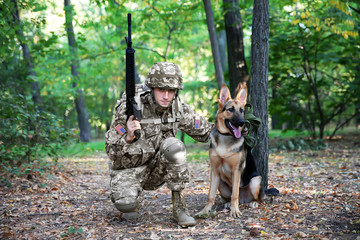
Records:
x=233, y=170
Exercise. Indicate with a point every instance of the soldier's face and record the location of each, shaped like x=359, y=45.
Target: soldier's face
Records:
x=164, y=96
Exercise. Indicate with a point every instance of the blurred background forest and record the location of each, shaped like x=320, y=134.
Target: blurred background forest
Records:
x=63, y=65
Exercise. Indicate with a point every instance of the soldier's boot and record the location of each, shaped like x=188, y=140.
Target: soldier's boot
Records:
x=130, y=211
x=180, y=211
x=176, y=178
x=131, y=215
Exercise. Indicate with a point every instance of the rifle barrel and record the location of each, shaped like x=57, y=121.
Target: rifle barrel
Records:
x=129, y=30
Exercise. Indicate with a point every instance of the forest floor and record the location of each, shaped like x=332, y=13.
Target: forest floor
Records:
x=319, y=199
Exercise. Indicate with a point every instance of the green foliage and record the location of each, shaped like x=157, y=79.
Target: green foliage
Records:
x=27, y=134
x=197, y=152
x=313, y=79
x=275, y=133
x=72, y=232
x=200, y=95
x=299, y=144
x=317, y=39
x=29, y=170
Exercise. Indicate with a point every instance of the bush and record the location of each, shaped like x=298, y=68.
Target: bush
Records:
x=26, y=133
x=299, y=144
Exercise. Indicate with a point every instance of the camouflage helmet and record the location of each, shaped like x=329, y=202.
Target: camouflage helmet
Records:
x=164, y=75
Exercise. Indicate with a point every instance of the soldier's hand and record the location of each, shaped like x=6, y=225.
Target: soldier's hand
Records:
x=132, y=126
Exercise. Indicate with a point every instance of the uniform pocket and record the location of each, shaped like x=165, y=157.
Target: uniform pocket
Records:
x=151, y=130
x=141, y=146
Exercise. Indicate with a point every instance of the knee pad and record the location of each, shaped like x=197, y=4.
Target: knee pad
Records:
x=126, y=201
x=174, y=150
x=126, y=208
x=126, y=188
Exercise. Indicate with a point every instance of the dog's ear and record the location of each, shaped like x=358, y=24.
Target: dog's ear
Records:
x=224, y=95
x=242, y=95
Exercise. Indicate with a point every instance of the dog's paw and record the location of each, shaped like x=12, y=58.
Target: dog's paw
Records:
x=253, y=204
x=235, y=212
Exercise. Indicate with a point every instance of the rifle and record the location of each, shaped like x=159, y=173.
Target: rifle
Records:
x=131, y=105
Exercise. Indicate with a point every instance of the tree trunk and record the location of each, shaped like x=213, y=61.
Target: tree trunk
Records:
x=259, y=83
x=35, y=90
x=357, y=79
x=238, y=71
x=214, y=43
x=137, y=77
x=82, y=114
x=221, y=37
x=357, y=119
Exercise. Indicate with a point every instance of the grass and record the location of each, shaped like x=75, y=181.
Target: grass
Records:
x=196, y=151
x=277, y=133
x=80, y=149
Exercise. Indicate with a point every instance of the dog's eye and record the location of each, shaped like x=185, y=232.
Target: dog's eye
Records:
x=231, y=109
x=241, y=110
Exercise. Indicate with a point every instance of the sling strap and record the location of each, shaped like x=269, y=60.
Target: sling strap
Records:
x=252, y=123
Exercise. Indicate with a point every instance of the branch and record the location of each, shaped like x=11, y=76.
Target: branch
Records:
x=338, y=109
x=151, y=50
x=325, y=38
x=302, y=113
x=171, y=29
x=312, y=83
x=328, y=75
x=118, y=49
x=157, y=11
x=355, y=10
x=94, y=56
x=338, y=126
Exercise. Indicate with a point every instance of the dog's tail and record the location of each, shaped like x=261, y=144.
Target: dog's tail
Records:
x=252, y=192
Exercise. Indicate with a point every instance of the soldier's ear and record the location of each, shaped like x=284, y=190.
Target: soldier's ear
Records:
x=224, y=95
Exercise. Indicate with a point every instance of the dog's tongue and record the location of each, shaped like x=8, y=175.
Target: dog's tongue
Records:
x=236, y=130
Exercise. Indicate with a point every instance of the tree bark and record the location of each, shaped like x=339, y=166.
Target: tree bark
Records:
x=221, y=37
x=259, y=83
x=238, y=71
x=35, y=90
x=357, y=80
x=214, y=43
x=82, y=114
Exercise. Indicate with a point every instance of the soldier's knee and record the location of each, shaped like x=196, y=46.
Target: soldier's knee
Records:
x=127, y=207
x=126, y=201
x=174, y=150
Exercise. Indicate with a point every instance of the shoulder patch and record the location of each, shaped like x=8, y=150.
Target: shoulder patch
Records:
x=120, y=129
x=197, y=123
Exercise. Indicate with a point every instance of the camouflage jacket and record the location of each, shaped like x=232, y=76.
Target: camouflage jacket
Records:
x=156, y=126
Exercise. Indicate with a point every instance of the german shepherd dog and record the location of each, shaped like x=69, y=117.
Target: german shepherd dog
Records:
x=233, y=170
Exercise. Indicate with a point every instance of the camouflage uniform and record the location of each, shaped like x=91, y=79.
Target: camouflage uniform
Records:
x=157, y=157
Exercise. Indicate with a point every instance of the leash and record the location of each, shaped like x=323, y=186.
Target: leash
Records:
x=252, y=123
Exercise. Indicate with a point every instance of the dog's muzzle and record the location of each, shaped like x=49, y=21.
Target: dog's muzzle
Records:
x=235, y=127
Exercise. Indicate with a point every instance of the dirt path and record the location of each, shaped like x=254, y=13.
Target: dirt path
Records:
x=319, y=200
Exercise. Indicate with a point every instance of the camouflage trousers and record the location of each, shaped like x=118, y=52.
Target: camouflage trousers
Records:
x=168, y=166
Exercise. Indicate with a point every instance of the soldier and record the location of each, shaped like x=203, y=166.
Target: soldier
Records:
x=156, y=157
